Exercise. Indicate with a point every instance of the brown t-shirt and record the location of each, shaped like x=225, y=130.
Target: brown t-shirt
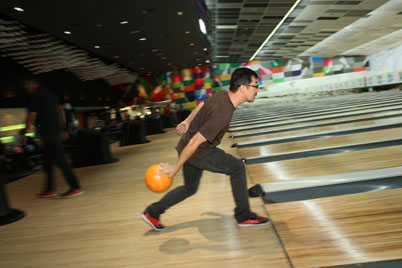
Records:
x=212, y=121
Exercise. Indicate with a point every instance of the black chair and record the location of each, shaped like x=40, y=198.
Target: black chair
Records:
x=154, y=125
x=89, y=148
x=133, y=133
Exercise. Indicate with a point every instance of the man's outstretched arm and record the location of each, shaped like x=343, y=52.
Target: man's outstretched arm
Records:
x=187, y=152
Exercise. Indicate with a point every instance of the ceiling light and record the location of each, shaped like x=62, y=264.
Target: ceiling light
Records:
x=99, y=25
x=96, y=46
x=180, y=13
x=221, y=56
x=197, y=59
x=130, y=62
x=143, y=39
x=199, y=64
x=134, y=32
x=205, y=49
x=116, y=57
x=163, y=58
x=226, y=27
x=170, y=63
x=154, y=50
x=19, y=9
x=142, y=68
x=275, y=29
x=207, y=61
x=202, y=26
x=191, y=44
x=187, y=32
x=142, y=54
x=123, y=22
x=67, y=32
x=195, y=53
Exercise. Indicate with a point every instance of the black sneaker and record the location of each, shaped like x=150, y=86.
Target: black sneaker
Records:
x=155, y=223
x=254, y=220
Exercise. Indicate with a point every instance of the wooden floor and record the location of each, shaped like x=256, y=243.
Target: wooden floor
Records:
x=276, y=126
x=320, y=120
x=330, y=231
x=102, y=228
x=315, y=130
x=329, y=142
x=327, y=232
x=326, y=165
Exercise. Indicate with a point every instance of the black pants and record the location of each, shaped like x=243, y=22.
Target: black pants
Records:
x=53, y=154
x=216, y=161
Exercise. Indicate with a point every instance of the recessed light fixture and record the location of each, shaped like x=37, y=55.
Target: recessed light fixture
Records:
x=207, y=61
x=163, y=58
x=123, y=22
x=221, y=56
x=191, y=44
x=170, y=63
x=142, y=54
x=67, y=32
x=199, y=64
x=96, y=46
x=143, y=39
x=154, y=50
x=226, y=27
x=19, y=9
x=99, y=25
x=179, y=13
x=195, y=52
x=116, y=57
x=203, y=28
x=187, y=32
x=197, y=59
x=205, y=49
x=135, y=32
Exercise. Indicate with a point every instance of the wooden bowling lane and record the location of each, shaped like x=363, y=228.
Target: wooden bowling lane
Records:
x=316, y=120
x=321, y=143
x=243, y=115
x=342, y=230
x=301, y=114
x=362, y=124
x=300, y=168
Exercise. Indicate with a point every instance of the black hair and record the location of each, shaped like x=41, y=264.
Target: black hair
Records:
x=241, y=76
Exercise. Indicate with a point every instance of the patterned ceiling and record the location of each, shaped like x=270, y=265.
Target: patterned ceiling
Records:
x=238, y=27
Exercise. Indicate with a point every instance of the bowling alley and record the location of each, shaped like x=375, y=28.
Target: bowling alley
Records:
x=201, y=133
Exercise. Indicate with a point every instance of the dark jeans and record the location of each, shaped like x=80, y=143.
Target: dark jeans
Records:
x=53, y=154
x=216, y=161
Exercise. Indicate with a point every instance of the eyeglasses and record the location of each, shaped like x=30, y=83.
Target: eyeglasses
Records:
x=254, y=86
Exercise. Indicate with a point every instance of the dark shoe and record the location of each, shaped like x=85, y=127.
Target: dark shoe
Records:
x=256, y=191
x=155, y=224
x=254, y=220
x=47, y=194
x=74, y=192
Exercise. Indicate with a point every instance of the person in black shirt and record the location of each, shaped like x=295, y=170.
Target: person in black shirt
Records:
x=46, y=112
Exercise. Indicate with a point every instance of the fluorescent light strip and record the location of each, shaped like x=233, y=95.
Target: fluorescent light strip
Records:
x=13, y=127
x=276, y=28
x=9, y=139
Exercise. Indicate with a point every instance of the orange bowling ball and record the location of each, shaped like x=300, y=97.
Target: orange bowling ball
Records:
x=157, y=183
